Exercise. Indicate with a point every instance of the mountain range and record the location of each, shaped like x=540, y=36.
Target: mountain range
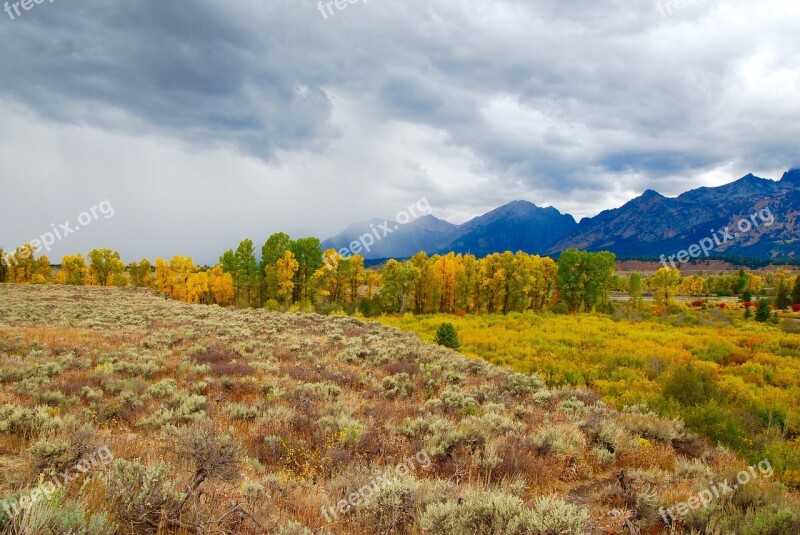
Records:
x=648, y=226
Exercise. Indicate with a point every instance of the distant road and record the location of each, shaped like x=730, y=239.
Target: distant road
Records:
x=682, y=298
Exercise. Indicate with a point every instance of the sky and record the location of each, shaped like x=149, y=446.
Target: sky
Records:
x=202, y=123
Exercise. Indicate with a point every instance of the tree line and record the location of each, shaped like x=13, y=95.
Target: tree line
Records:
x=298, y=273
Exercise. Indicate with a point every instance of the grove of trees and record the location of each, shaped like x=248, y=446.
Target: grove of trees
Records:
x=298, y=273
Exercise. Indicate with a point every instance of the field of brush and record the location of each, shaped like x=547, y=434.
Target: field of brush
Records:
x=243, y=421
x=734, y=381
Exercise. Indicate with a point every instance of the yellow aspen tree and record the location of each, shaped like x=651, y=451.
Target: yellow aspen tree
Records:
x=221, y=286
x=665, y=284
x=326, y=280
x=445, y=269
x=181, y=269
x=74, y=271
x=287, y=267
x=21, y=264
x=42, y=272
x=520, y=281
x=425, y=297
x=465, y=282
x=104, y=264
x=197, y=287
x=494, y=283
x=693, y=285
x=162, y=280
x=356, y=276
x=755, y=283
x=373, y=283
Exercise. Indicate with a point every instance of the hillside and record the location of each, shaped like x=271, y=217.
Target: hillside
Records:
x=242, y=421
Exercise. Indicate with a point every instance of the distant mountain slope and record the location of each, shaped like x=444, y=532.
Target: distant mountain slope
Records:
x=517, y=226
x=651, y=224
x=647, y=226
x=427, y=233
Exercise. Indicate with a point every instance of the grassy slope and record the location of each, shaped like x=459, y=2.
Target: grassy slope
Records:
x=319, y=407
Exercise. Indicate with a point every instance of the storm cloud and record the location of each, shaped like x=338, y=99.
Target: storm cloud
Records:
x=207, y=122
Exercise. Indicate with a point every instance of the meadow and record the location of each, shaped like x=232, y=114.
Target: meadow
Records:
x=733, y=381
x=245, y=421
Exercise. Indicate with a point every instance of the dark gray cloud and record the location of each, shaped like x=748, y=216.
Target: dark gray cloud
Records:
x=210, y=121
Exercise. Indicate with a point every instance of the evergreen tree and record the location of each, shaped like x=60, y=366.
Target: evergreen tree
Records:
x=796, y=292
x=762, y=312
x=447, y=336
x=747, y=313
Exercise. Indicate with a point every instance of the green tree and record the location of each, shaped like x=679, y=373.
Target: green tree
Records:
x=308, y=253
x=599, y=278
x=762, y=312
x=585, y=279
x=228, y=261
x=747, y=313
x=141, y=273
x=273, y=250
x=397, y=281
x=446, y=335
x=782, y=296
x=246, y=274
x=572, y=278
x=741, y=281
x=104, y=264
x=635, y=289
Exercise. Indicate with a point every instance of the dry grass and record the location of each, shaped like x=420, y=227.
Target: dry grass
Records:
x=250, y=422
